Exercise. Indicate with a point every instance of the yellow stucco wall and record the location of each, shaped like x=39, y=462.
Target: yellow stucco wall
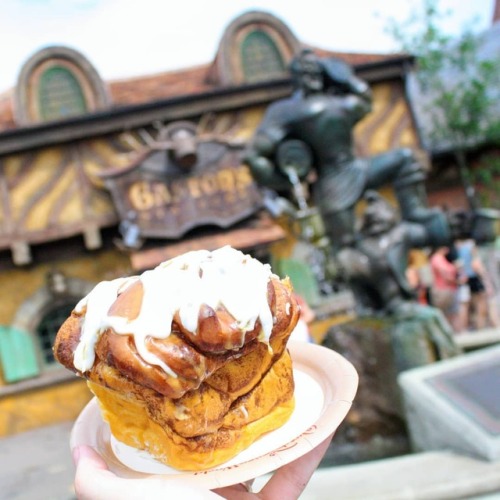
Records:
x=45, y=406
x=20, y=283
x=389, y=125
x=49, y=190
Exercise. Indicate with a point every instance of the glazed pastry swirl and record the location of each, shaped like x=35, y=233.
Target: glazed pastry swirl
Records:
x=98, y=301
x=173, y=326
x=183, y=286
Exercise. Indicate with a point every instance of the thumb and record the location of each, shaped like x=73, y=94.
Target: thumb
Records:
x=93, y=479
x=87, y=457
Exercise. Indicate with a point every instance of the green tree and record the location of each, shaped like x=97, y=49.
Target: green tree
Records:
x=455, y=84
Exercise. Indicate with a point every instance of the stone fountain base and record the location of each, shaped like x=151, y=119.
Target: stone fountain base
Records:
x=380, y=348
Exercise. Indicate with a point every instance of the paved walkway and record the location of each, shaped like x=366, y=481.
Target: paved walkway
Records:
x=37, y=465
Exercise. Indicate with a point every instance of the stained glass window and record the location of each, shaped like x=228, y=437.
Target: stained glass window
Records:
x=60, y=94
x=261, y=58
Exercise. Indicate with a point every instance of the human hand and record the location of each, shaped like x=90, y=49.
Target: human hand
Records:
x=94, y=481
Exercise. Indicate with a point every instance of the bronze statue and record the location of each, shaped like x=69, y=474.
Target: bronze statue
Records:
x=375, y=266
x=315, y=127
x=312, y=131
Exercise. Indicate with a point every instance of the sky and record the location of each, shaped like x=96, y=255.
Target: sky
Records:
x=127, y=38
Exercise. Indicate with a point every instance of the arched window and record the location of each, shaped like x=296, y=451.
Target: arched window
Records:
x=60, y=94
x=48, y=327
x=255, y=47
x=57, y=83
x=260, y=57
x=26, y=344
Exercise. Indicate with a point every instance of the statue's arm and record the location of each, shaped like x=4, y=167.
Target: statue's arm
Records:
x=418, y=235
x=356, y=93
x=359, y=104
x=259, y=154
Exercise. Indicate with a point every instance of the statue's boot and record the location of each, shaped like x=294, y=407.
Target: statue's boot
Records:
x=410, y=191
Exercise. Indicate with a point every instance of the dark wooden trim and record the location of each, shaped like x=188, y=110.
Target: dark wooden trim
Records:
x=130, y=117
x=385, y=70
x=181, y=107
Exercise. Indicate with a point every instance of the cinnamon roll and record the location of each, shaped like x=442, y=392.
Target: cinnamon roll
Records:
x=188, y=361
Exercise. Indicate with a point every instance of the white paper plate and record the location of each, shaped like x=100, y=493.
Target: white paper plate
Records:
x=325, y=385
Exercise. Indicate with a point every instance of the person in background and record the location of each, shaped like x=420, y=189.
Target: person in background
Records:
x=463, y=298
x=417, y=275
x=445, y=287
x=477, y=280
x=490, y=257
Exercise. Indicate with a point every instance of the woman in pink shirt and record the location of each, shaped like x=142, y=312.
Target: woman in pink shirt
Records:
x=445, y=286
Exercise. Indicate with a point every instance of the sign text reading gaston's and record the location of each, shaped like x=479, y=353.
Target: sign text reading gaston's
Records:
x=228, y=185
x=220, y=195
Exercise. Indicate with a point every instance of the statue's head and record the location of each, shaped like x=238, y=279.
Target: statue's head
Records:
x=307, y=71
x=314, y=74
x=379, y=216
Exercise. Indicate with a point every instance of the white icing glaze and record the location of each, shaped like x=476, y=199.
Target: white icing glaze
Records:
x=97, y=302
x=223, y=277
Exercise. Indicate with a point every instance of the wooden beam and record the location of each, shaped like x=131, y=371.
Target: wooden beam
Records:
x=263, y=233
x=128, y=118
